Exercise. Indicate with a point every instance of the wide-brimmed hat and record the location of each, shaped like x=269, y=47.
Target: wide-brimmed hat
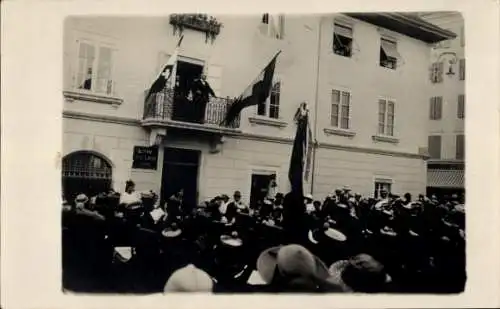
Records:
x=232, y=240
x=290, y=261
x=81, y=198
x=361, y=273
x=309, y=196
x=172, y=231
x=122, y=254
x=189, y=279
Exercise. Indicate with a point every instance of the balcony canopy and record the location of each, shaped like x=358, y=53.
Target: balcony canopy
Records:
x=409, y=24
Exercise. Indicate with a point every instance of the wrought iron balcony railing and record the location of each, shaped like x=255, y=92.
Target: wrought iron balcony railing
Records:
x=169, y=105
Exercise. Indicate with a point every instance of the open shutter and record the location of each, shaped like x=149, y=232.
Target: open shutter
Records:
x=214, y=78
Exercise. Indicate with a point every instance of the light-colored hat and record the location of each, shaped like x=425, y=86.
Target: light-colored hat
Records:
x=231, y=240
x=189, y=279
x=291, y=260
x=81, y=198
x=309, y=196
x=335, y=234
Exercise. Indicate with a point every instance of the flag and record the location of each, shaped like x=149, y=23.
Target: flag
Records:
x=256, y=93
x=161, y=81
x=300, y=160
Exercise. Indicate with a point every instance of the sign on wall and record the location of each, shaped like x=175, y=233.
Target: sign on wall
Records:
x=145, y=157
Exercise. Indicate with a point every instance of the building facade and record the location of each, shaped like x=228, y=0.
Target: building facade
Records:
x=446, y=139
x=364, y=94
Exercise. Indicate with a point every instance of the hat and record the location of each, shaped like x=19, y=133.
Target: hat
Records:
x=290, y=260
x=122, y=254
x=237, y=193
x=309, y=196
x=231, y=240
x=81, y=198
x=189, y=279
x=361, y=273
x=335, y=234
x=171, y=232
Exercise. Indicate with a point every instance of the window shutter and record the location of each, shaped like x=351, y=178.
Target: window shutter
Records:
x=462, y=69
x=460, y=147
x=461, y=107
x=435, y=146
x=431, y=107
x=439, y=107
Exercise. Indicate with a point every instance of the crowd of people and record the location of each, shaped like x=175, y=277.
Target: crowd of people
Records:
x=129, y=242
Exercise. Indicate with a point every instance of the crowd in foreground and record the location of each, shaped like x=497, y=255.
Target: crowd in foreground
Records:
x=129, y=243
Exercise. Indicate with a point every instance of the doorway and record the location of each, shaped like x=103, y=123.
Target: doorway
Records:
x=180, y=171
x=186, y=73
x=260, y=187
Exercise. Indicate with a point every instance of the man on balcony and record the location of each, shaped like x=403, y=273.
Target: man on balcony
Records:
x=201, y=92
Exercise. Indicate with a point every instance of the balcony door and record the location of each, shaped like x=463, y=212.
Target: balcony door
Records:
x=180, y=171
x=186, y=73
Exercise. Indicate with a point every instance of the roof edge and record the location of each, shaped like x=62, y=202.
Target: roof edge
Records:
x=422, y=24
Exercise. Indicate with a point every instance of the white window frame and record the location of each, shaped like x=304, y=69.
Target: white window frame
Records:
x=383, y=180
x=97, y=41
x=386, y=117
x=437, y=72
x=340, y=105
x=276, y=79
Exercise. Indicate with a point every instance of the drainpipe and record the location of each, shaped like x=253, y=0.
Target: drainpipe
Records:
x=316, y=104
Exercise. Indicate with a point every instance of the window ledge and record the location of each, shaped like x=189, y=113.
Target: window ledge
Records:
x=267, y=121
x=90, y=97
x=385, y=139
x=339, y=132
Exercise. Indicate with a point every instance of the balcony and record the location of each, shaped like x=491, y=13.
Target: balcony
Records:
x=170, y=110
x=197, y=22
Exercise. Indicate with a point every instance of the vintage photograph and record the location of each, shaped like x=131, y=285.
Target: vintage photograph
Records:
x=264, y=153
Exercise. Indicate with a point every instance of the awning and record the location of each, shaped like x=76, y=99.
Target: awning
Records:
x=390, y=49
x=445, y=178
x=343, y=30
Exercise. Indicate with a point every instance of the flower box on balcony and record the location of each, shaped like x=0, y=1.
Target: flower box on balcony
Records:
x=199, y=22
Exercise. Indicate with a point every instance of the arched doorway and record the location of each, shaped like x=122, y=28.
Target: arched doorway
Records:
x=85, y=172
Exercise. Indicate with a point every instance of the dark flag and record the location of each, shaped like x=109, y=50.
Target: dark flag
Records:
x=161, y=81
x=255, y=94
x=301, y=152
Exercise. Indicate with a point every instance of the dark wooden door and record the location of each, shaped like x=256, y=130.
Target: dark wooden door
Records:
x=180, y=171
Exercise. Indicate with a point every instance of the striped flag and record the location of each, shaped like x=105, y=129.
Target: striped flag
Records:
x=255, y=94
x=161, y=81
x=300, y=160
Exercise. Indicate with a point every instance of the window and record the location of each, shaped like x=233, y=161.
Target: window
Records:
x=382, y=184
x=388, y=54
x=342, y=40
x=340, y=112
x=275, y=25
x=460, y=147
x=437, y=72
x=271, y=107
x=95, y=67
x=462, y=36
x=386, y=117
x=265, y=18
x=462, y=69
x=435, y=146
x=436, y=108
x=461, y=107
x=85, y=172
